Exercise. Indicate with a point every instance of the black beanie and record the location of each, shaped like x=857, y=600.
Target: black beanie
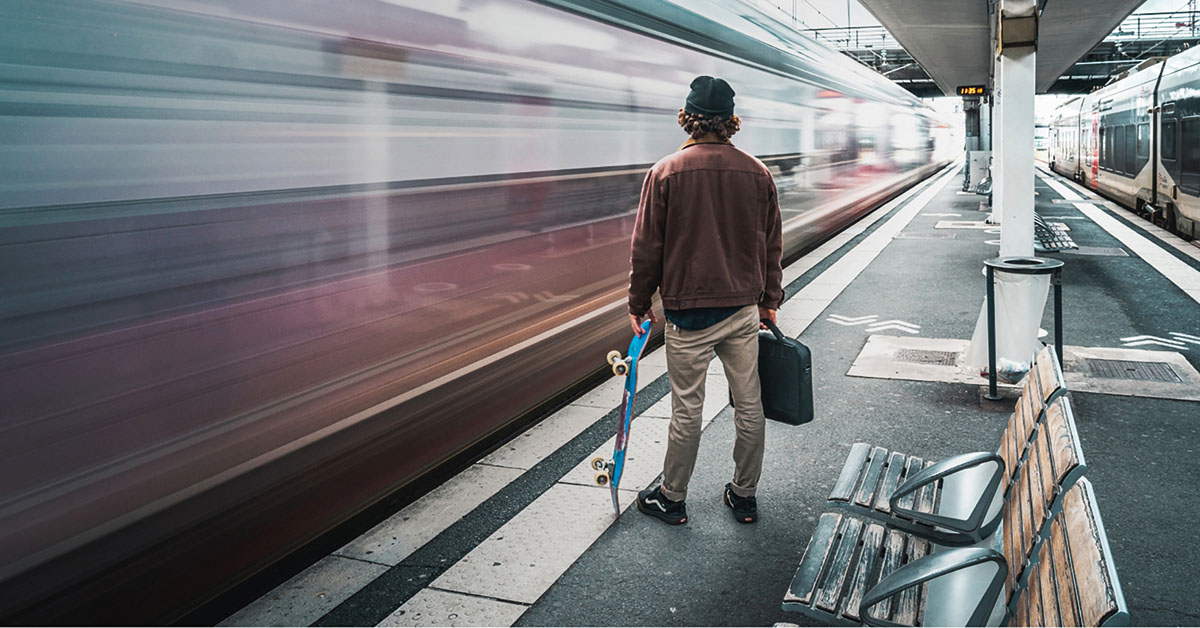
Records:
x=710, y=96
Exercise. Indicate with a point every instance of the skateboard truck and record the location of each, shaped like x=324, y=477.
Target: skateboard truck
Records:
x=620, y=366
x=603, y=470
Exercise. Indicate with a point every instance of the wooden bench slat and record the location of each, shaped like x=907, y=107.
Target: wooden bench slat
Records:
x=1039, y=501
x=891, y=478
x=1028, y=410
x=1048, y=379
x=1016, y=510
x=926, y=498
x=893, y=556
x=906, y=606
x=1061, y=445
x=914, y=465
x=831, y=590
x=1032, y=603
x=1097, y=599
x=1046, y=587
x=866, y=492
x=1009, y=452
x=814, y=559
x=872, y=541
x=851, y=471
x=1063, y=577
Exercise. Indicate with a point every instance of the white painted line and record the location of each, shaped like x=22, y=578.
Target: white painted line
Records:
x=1132, y=338
x=431, y=607
x=1071, y=191
x=643, y=462
x=405, y=532
x=1179, y=273
x=309, y=595
x=522, y=559
x=1169, y=345
x=534, y=444
x=845, y=320
x=1186, y=337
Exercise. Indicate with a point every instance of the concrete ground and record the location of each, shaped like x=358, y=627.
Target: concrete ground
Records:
x=1141, y=452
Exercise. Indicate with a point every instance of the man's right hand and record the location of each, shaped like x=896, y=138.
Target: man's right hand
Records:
x=635, y=321
x=767, y=314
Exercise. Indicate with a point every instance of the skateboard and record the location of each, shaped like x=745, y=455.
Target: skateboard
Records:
x=608, y=472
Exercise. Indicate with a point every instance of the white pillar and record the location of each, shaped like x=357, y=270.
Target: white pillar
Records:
x=1015, y=74
x=998, y=144
x=1020, y=299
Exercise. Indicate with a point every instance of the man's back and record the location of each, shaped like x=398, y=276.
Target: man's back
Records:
x=713, y=210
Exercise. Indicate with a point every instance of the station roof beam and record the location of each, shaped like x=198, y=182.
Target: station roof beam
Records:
x=953, y=40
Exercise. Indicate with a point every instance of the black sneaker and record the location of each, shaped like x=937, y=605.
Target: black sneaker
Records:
x=652, y=502
x=745, y=509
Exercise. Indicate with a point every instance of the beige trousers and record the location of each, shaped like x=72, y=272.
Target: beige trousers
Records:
x=735, y=341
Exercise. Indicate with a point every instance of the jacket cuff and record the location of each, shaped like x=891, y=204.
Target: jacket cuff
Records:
x=637, y=311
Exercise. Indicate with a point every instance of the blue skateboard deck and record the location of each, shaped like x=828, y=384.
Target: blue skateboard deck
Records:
x=609, y=472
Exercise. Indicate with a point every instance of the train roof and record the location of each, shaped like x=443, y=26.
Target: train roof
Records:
x=745, y=34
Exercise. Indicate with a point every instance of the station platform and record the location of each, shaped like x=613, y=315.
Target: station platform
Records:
x=523, y=537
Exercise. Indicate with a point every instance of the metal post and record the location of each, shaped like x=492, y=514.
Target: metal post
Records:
x=992, y=395
x=1058, y=339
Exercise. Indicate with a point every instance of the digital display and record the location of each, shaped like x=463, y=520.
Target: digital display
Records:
x=972, y=90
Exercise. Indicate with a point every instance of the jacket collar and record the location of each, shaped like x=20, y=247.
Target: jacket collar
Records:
x=693, y=142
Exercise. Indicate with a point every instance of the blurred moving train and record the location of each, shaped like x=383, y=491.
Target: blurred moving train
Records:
x=1137, y=140
x=264, y=263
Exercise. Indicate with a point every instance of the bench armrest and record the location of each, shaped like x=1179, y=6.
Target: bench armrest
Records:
x=935, y=566
x=954, y=464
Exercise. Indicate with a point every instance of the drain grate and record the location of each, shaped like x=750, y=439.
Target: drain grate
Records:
x=1137, y=371
x=924, y=356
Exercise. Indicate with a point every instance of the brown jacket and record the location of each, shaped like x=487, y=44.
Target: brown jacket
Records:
x=707, y=232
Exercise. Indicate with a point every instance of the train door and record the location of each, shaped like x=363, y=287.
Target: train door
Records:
x=1094, y=153
x=1169, y=151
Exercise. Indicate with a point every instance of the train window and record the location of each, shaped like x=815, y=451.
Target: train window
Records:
x=1105, y=147
x=1116, y=157
x=1143, y=143
x=1130, y=165
x=1189, y=161
x=1168, y=140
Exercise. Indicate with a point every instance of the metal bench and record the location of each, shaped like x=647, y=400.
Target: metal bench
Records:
x=956, y=501
x=853, y=563
x=1050, y=237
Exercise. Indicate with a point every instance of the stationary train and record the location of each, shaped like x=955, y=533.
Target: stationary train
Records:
x=265, y=264
x=1137, y=140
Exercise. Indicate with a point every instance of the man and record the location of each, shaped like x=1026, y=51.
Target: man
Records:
x=708, y=238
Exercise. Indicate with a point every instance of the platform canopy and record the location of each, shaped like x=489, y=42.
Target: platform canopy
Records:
x=954, y=39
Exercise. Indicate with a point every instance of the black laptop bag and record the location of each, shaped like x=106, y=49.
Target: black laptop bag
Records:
x=785, y=370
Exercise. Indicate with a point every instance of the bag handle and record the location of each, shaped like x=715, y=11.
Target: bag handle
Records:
x=775, y=330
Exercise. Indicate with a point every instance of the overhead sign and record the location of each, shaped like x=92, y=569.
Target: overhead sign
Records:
x=972, y=90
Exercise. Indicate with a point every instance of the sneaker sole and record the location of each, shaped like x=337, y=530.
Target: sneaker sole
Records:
x=736, y=516
x=661, y=516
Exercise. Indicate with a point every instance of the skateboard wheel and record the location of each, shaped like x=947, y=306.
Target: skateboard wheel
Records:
x=613, y=357
x=599, y=464
x=620, y=368
x=601, y=478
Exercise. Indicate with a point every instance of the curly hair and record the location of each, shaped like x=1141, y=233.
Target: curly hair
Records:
x=697, y=125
